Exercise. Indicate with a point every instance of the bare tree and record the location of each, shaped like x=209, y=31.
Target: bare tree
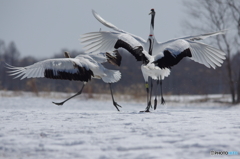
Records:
x=211, y=15
x=235, y=8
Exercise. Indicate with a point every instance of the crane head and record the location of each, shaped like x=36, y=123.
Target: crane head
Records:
x=152, y=11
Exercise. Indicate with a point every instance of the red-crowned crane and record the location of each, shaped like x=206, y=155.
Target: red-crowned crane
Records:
x=157, y=57
x=82, y=68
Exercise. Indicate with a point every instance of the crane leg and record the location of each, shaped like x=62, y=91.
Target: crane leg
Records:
x=149, y=96
x=78, y=93
x=114, y=103
x=149, y=105
x=162, y=99
x=155, y=101
x=147, y=90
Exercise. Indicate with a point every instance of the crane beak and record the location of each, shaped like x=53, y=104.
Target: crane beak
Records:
x=150, y=13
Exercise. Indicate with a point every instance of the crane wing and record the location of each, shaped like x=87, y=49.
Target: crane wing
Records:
x=203, y=36
x=206, y=54
x=110, y=25
x=104, y=41
x=199, y=52
x=65, y=69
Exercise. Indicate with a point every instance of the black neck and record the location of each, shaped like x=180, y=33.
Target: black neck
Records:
x=152, y=20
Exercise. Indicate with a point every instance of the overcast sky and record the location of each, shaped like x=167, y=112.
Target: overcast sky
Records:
x=41, y=28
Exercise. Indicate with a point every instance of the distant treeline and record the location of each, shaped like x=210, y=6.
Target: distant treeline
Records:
x=187, y=77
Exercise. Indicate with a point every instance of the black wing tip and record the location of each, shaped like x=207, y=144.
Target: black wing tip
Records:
x=67, y=55
x=114, y=60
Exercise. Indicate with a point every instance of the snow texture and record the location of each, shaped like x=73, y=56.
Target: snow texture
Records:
x=32, y=127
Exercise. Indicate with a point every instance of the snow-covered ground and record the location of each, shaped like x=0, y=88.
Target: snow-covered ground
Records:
x=32, y=127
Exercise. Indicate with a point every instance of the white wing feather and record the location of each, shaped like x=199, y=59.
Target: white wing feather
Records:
x=204, y=36
x=104, y=22
x=110, y=25
x=99, y=41
x=105, y=41
x=207, y=55
x=37, y=70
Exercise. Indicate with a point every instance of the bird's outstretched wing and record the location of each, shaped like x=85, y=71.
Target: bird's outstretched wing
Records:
x=203, y=36
x=197, y=51
x=110, y=25
x=206, y=54
x=104, y=41
x=105, y=23
x=65, y=69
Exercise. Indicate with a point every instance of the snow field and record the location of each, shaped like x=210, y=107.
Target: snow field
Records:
x=32, y=127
